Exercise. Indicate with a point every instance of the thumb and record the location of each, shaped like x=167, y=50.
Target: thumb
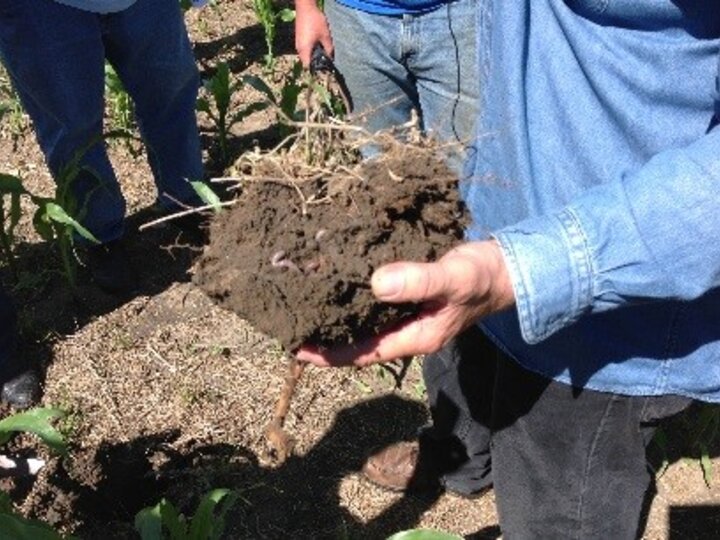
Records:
x=409, y=282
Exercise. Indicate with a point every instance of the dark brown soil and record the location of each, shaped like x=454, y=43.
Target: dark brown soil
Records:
x=300, y=272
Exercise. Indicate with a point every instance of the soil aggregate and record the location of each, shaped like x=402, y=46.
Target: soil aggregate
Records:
x=295, y=260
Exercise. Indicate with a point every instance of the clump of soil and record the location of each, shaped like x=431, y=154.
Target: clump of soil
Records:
x=295, y=259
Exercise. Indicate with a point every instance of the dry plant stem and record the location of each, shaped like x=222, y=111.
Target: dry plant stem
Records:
x=194, y=210
x=279, y=441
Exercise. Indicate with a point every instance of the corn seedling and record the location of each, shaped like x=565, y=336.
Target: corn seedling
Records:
x=57, y=219
x=121, y=106
x=164, y=521
x=38, y=422
x=220, y=89
x=269, y=15
x=286, y=100
x=12, y=113
x=705, y=434
x=207, y=195
x=53, y=219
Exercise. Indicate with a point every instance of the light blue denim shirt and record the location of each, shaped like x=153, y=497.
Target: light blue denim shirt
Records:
x=597, y=168
x=98, y=6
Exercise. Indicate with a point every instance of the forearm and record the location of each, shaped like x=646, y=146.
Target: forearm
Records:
x=649, y=236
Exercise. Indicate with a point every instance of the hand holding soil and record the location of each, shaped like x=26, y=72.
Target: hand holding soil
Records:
x=467, y=283
x=295, y=259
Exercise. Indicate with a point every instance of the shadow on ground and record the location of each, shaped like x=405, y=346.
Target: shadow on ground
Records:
x=299, y=499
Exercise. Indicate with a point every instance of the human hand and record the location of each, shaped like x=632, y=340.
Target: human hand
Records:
x=311, y=27
x=469, y=282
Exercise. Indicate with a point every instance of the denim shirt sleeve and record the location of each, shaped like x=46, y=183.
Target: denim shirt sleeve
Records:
x=652, y=235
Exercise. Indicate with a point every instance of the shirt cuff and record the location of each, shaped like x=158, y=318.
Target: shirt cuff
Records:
x=551, y=272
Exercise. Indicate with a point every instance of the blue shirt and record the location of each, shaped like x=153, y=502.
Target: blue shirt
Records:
x=597, y=168
x=394, y=7
x=98, y=6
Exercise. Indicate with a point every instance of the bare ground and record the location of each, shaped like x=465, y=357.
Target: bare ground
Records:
x=170, y=395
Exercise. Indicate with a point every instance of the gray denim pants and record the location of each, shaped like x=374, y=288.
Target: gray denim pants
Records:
x=564, y=462
x=426, y=62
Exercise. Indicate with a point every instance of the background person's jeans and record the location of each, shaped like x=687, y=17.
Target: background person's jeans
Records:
x=564, y=462
x=55, y=56
x=394, y=64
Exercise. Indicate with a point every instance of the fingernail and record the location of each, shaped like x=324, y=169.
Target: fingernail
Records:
x=387, y=284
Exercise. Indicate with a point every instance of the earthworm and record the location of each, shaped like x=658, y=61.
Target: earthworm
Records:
x=322, y=233
x=278, y=260
x=311, y=266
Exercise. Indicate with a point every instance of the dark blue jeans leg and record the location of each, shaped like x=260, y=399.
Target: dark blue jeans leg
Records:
x=55, y=56
x=149, y=47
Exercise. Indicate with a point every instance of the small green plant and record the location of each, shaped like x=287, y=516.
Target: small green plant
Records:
x=38, y=422
x=704, y=435
x=286, y=101
x=121, y=107
x=268, y=15
x=10, y=106
x=53, y=219
x=163, y=521
x=220, y=89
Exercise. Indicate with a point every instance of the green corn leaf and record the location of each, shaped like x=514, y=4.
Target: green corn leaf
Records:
x=323, y=93
x=261, y=86
x=219, y=86
x=286, y=15
x=203, y=105
x=423, y=534
x=14, y=527
x=36, y=421
x=5, y=503
x=247, y=111
x=201, y=527
x=148, y=522
x=54, y=212
x=207, y=195
x=42, y=227
x=173, y=521
x=228, y=502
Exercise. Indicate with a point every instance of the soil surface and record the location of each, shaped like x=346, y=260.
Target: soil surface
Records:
x=169, y=394
x=295, y=260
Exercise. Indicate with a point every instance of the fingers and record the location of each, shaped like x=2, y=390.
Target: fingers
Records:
x=410, y=282
x=422, y=335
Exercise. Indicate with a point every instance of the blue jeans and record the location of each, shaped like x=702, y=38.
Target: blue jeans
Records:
x=564, y=462
x=426, y=62
x=55, y=56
